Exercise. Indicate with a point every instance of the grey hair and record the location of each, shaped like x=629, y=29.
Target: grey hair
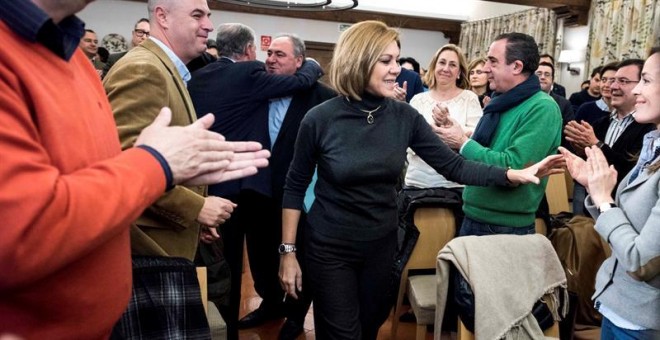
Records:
x=233, y=38
x=298, y=44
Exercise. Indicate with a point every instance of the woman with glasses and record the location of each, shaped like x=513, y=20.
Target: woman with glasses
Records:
x=628, y=283
x=479, y=80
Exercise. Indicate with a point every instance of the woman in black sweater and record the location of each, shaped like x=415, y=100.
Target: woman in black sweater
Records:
x=358, y=143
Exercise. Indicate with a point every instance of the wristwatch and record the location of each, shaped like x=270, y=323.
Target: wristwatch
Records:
x=286, y=248
x=605, y=207
x=600, y=144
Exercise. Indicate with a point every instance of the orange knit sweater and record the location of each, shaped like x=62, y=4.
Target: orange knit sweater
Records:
x=67, y=197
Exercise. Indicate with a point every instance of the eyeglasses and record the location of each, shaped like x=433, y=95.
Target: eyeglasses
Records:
x=140, y=33
x=477, y=72
x=620, y=81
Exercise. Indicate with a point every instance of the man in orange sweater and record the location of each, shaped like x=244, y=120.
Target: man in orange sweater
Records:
x=68, y=193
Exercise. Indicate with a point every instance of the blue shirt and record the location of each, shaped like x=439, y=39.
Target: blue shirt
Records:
x=648, y=153
x=178, y=63
x=276, y=113
x=34, y=25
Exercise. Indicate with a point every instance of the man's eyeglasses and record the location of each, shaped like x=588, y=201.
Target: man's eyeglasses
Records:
x=620, y=81
x=140, y=33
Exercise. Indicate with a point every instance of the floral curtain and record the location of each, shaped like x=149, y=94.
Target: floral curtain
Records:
x=540, y=23
x=622, y=29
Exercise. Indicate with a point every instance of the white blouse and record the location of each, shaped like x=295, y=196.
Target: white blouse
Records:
x=465, y=109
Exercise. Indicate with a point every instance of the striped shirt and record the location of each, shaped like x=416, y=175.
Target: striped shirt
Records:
x=617, y=126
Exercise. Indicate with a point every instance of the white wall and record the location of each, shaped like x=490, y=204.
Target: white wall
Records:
x=575, y=38
x=116, y=16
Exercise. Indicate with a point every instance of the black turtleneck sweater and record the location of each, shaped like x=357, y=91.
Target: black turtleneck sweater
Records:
x=359, y=163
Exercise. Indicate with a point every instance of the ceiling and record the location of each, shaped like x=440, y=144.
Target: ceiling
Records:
x=462, y=10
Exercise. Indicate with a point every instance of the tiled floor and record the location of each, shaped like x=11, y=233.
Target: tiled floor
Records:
x=250, y=301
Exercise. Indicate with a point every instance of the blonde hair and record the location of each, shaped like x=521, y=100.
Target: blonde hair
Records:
x=462, y=81
x=356, y=53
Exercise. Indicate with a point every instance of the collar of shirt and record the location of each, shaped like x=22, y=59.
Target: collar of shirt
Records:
x=178, y=63
x=34, y=25
x=602, y=105
x=230, y=59
x=650, y=143
x=615, y=116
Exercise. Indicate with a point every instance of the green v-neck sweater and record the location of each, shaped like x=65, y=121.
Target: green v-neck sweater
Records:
x=525, y=135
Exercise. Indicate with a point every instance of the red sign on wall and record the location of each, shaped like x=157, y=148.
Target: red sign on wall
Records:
x=265, y=42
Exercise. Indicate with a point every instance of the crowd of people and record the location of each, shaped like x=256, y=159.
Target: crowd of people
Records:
x=122, y=173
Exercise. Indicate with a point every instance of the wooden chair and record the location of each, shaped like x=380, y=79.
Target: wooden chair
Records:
x=557, y=194
x=436, y=227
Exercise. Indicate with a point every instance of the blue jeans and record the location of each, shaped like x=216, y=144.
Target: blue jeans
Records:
x=472, y=227
x=579, y=194
x=609, y=331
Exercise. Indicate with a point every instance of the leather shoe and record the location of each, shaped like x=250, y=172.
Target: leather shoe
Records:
x=258, y=317
x=290, y=330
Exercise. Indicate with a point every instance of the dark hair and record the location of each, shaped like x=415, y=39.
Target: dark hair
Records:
x=586, y=82
x=654, y=50
x=596, y=71
x=210, y=43
x=410, y=61
x=103, y=54
x=545, y=55
x=521, y=47
x=613, y=66
x=637, y=62
x=545, y=63
x=141, y=20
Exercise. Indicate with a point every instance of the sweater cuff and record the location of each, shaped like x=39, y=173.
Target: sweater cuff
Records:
x=169, y=178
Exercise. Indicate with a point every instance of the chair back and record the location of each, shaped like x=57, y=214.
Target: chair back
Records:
x=436, y=226
x=557, y=194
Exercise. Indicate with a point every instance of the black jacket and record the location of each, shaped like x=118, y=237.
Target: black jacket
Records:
x=237, y=94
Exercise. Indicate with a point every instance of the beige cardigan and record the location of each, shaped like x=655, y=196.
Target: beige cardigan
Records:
x=508, y=274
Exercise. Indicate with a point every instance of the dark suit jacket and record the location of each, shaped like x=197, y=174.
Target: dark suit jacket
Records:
x=415, y=84
x=623, y=154
x=566, y=115
x=237, y=94
x=559, y=90
x=112, y=59
x=282, y=151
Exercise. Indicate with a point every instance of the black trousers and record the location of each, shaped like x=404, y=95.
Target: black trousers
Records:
x=248, y=212
x=351, y=284
x=257, y=219
x=262, y=242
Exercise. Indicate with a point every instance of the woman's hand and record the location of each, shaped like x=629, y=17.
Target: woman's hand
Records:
x=601, y=176
x=553, y=164
x=576, y=166
x=290, y=275
x=440, y=114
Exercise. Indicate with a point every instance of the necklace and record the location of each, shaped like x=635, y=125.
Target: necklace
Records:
x=370, y=116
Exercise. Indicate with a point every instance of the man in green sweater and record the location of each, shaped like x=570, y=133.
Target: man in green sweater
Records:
x=520, y=126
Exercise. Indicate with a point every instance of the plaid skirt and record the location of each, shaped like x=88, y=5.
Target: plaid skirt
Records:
x=166, y=302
